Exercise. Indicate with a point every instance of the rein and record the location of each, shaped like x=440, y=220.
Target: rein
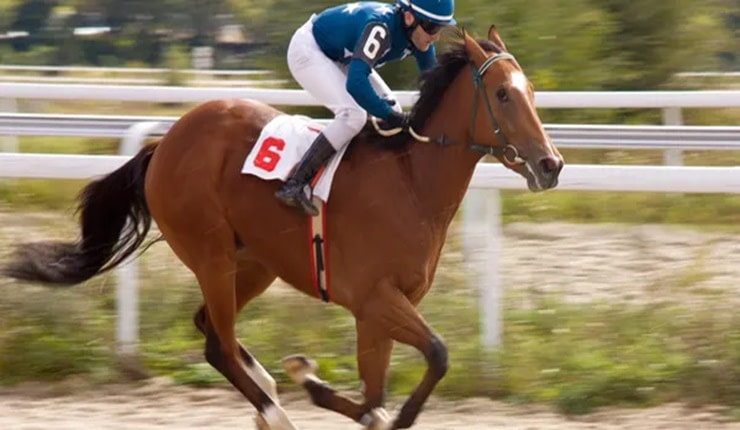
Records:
x=480, y=87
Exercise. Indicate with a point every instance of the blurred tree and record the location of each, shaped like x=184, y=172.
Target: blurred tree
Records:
x=281, y=19
x=7, y=13
x=563, y=44
x=31, y=15
x=248, y=10
x=731, y=14
x=660, y=38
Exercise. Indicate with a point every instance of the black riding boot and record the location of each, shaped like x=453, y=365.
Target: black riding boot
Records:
x=292, y=191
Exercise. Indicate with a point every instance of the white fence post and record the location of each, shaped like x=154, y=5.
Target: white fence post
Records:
x=482, y=251
x=127, y=309
x=672, y=116
x=127, y=275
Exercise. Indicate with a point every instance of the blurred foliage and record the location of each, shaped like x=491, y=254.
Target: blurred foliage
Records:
x=564, y=44
x=175, y=58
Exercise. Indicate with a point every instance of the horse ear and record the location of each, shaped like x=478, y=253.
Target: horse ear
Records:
x=495, y=38
x=474, y=50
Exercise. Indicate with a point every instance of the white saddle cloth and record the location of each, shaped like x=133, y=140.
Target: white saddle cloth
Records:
x=280, y=147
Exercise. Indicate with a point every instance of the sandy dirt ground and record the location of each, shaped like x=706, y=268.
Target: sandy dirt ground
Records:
x=157, y=405
x=580, y=262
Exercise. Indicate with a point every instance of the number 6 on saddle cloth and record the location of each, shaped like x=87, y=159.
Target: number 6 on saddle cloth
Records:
x=281, y=145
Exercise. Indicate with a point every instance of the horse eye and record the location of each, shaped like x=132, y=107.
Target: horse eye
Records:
x=501, y=95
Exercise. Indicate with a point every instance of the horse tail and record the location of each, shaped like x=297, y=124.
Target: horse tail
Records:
x=114, y=221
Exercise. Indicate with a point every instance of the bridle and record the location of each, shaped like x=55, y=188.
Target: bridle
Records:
x=504, y=149
x=480, y=87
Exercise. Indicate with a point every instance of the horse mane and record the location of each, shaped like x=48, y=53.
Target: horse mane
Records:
x=432, y=85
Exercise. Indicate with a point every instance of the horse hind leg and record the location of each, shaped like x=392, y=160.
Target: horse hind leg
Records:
x=252, y=279
x=217, y=277
x=373, y=357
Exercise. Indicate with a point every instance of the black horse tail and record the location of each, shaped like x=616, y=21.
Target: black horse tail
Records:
x=114, y=221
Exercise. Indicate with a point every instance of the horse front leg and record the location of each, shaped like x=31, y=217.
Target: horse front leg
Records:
x=374, y=348
x=388, y=310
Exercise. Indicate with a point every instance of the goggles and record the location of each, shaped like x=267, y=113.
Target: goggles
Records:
x=430, y=28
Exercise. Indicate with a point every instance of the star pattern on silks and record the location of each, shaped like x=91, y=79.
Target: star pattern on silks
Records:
x=351, y=8
x=384, y=9
x=406, y=53
x=347, y=53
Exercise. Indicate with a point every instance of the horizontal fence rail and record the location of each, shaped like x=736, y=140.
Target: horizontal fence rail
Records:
x=75, y=125
x=141, y=81
x=128, y=70
x=563, y=135
x=283, y=97
x=573, y=177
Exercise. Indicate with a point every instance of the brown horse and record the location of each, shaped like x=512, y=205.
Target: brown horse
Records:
x=391, y=204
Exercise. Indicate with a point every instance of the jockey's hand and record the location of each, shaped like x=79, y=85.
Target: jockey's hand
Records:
x=395, y=120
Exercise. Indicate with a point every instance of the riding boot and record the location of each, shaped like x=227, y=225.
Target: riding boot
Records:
x=292, y=192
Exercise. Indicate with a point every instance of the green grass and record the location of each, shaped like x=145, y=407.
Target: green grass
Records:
x=701, y=210
x=577, y=357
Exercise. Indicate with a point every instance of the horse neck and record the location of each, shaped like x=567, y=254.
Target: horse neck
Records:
x=441, y=175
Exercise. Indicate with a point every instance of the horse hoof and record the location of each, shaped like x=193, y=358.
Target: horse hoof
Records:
x=377, y=419
x=261, y=423
x=299, y=368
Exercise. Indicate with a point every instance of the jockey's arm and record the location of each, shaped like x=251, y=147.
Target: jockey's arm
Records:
x=372, y=45
x=358, y=86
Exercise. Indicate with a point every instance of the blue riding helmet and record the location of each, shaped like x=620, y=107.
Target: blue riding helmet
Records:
x=436, y=11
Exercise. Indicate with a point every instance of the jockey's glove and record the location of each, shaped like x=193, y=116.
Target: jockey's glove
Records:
x=396, y=120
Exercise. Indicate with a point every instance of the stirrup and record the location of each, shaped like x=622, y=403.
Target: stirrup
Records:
x=292, y=194
x=286, y=193
x=304, y=203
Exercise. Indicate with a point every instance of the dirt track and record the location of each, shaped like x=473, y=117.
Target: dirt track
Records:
x=157, y=405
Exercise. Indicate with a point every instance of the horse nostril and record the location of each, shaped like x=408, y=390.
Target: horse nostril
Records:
x=550, y=165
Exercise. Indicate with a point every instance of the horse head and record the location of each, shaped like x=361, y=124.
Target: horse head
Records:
x=504, y=120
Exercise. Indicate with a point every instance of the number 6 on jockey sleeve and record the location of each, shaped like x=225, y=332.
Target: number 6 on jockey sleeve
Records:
x=373, y=44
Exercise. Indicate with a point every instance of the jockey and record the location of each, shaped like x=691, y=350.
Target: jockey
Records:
x=333, y=57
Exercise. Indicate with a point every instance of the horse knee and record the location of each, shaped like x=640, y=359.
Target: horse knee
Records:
x=437, y=357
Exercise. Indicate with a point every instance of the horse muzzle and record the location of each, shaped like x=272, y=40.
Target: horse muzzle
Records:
x=543, y=174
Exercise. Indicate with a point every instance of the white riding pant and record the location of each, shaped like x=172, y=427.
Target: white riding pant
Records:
x=326, y=80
